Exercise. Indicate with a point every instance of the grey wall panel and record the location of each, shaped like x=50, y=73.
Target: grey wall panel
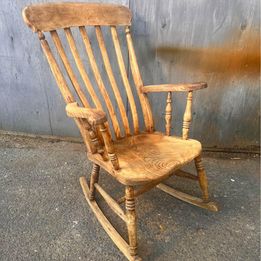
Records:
x=29, y=98
x=176, y=41
x=213, y=41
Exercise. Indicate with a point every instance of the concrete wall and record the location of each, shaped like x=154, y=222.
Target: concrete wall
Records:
x=176, y=41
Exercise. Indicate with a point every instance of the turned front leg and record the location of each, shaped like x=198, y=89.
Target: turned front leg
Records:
x=203, y=182
x=131, y=220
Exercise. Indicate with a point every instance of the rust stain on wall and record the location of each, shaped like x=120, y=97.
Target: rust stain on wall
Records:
x=230, y=58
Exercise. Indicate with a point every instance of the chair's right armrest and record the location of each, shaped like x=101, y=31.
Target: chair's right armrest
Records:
x=184, y=87
x=93, y=116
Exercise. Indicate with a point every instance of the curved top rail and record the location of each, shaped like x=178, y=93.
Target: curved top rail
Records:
x=52, y=16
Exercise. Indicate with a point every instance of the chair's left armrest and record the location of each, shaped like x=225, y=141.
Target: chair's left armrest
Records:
x=93, y=116
x=169, y=88
x=174, y=87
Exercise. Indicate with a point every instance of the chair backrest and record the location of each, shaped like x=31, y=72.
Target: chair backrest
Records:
x=51, y=17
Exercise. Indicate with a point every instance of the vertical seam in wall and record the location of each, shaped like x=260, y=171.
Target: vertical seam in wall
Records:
x=128, y=66
x=48, y=107
x=128, y=61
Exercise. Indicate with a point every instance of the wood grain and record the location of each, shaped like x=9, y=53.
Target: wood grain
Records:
x=145, y=105
x=94, y=179
x=100, y=82
x=187, y=116
x=93, y=138
x=81, y=68
x=125, y=79
x=53, y=16
x=112, y=80
x=168, y=114
x=174, y=87
x=131, y=219
x=212, y=206
x=109, y=147
x=93, y=116
x=111, y=202
x=61, y=82
x=111, y=231
x=68, y=68
x=144, y=159
x=147, y=157
x=202, y=177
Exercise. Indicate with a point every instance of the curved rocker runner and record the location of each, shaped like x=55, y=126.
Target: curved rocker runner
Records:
x=132, y=156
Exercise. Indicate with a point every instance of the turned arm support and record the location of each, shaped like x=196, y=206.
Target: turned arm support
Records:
x=95, y=118
x=169, y=88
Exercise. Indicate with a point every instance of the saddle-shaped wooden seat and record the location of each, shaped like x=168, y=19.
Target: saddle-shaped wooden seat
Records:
x=113, y=137
x=150, y=157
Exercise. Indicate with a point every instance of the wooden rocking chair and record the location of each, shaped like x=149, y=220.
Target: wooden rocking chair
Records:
x=135, y=157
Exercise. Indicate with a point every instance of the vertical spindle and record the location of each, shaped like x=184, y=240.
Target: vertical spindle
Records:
x=168, y=114
x=187, y=117
x=109, y=147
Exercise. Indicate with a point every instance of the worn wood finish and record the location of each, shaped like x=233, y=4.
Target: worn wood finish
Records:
x=93, y=116
x=150, y=157
x=112, y=80
x=212, y=206
x=145, y=158
x=202, y=178
x=55, y=69
x=53, y=16
x=89, y=138
x=131, y=219
x=81, y=68
x=68, y=68
x=109, y=147
x=174, y=87
x=185, y=174
x=148, y=118
x=111, y=231
x=153, y=184
x=168, y=114
x=82, y=71
x=111, y=202
x=94, y=179
x=141, y=190
x=187, y=117
x=99, y=81
x=125, y=79
x=61, y=82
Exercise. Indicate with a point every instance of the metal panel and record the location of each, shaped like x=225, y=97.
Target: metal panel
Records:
x=29, y=98
x=176, y=41
x=213, y=41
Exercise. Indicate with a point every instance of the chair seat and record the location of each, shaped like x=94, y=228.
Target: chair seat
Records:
x=150, y=157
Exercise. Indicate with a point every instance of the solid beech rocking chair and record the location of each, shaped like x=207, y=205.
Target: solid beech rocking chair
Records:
x=135, y=158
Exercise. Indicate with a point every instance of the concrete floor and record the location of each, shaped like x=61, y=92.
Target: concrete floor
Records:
x=44, y=216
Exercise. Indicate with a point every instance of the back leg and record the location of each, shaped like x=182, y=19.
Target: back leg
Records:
x=94, y=179
x=203, y=182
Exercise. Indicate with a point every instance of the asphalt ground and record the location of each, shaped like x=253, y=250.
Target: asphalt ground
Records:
x=44, y=216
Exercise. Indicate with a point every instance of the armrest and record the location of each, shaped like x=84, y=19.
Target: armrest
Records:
x=93, y=116
x=174, y=87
